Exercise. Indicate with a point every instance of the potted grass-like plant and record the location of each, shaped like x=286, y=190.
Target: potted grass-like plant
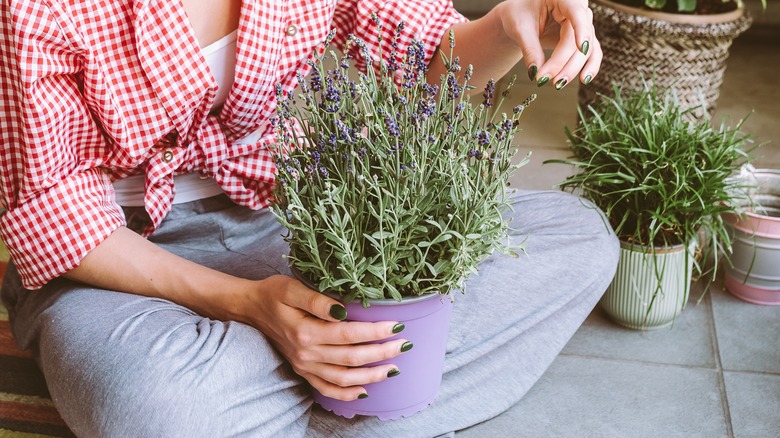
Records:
x=393, y=191
x=662, y=182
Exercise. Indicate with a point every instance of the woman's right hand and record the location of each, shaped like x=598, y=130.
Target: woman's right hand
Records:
x=329, y=353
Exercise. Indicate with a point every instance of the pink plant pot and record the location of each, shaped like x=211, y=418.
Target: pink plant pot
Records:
x=753, y=273
x=427, y=323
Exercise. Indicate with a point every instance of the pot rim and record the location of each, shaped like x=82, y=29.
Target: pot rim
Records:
x=723, y=17
x=752, y=222
x=390, y=301
x=635, y=247
x=372, y=301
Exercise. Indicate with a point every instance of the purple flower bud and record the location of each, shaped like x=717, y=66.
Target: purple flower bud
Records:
x=483, y=138
x=316, y=80
x=453, y=88
x=490, y=90
x=392, y=126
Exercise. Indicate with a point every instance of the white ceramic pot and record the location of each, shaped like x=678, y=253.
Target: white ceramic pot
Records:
x=650, y=287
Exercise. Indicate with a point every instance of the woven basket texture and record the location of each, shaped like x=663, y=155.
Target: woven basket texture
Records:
x=689, y=57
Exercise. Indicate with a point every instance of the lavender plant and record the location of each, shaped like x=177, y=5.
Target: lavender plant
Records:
x=389, y=186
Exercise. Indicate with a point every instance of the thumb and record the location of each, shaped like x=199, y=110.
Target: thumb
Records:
x=316, y=303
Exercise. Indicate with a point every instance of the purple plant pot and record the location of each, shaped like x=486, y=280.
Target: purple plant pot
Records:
x=427, y=321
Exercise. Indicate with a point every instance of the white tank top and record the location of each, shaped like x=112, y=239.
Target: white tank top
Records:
x=221, y=59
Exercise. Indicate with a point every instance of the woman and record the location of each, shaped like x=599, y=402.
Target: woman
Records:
x=147, y=274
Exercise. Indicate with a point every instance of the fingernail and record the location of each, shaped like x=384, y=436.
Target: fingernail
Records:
x=542, y=81
x=398, y=328
x=561, y=83
x=585, y=47
x=363, y=395
x=394, y=372
x=532, y=72
x=587, y=80
x=338, y=312
x=406, y=346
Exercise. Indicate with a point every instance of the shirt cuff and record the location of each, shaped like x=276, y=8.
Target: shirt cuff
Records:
x=51, y=234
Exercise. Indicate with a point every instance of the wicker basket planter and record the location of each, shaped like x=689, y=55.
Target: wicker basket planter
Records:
x=687, y=52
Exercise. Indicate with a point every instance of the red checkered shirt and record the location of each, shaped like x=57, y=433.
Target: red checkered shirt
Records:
x=95, y=91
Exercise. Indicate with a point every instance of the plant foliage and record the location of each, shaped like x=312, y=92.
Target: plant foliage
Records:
x=389, y=186
x=659, y=178
x=687, y=6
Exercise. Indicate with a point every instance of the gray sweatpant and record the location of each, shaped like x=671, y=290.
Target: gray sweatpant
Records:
x=121, y=365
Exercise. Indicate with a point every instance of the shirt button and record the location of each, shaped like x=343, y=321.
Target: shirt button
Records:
x=291, y=30
x=167, y=156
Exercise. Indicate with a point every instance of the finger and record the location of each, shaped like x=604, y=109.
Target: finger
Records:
x=562, y=54
x=570, y=71
x=334, y=391
x=344, y=377
x=315, y=303
x=350, y=332
x=593, y=64
x=581, y=18
x=526, y=34
x=359, y=355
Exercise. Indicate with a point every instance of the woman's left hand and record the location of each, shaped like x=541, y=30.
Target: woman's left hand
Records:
x=566, y=26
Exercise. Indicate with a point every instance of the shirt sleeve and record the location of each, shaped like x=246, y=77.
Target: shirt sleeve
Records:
x=425, y=21
x=59, y=202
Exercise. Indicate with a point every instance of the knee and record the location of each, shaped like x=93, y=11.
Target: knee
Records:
x=196, y=377
x=577, y=235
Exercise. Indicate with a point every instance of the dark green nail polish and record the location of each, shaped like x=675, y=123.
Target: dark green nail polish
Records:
x=338, y=312
x=398, y=328
x=363, y=395
x=542, y=81
x=585, y=47
x=394, y=372
x=561, y=83
x=587, y=80
x=532, y=72
x=406, y=347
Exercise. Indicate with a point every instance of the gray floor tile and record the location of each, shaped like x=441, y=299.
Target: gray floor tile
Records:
x=754, y=402
x=538, y=176
x=542, y=124
x=586, y=397
x=688, y=341
x=748, y=334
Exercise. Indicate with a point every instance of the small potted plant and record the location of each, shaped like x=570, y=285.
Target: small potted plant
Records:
x=662, y=182
x=393, y=191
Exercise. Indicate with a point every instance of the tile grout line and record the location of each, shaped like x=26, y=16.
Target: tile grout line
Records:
x=719, y=367
x=641, y=362
x=754, y=372
x=715, y=369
